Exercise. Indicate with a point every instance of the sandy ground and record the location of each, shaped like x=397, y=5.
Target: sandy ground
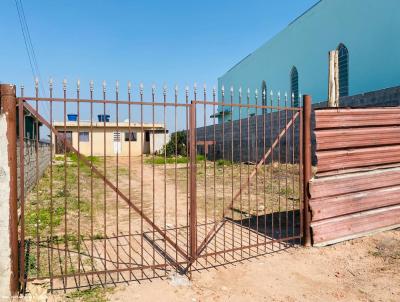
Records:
x=365, y=269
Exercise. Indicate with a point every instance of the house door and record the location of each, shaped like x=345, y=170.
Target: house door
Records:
x=117, y=142
x=60, y=148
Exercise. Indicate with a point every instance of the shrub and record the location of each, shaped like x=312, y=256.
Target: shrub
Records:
x=177, y=144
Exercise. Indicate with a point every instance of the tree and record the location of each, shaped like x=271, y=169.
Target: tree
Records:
x=176, y=145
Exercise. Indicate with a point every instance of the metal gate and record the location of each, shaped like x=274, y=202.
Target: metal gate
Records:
x=223, y=182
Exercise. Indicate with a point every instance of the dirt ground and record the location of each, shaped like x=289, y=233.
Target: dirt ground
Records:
x=364, y=269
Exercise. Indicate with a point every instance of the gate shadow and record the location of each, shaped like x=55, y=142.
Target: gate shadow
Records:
x=283, y=225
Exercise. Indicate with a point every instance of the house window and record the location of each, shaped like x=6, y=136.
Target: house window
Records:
x=294, y=86
x=84, y=136
x=343, y=70
x=117, y=137
x=130, y=136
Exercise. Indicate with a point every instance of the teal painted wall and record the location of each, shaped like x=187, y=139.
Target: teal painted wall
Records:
x=370, y=29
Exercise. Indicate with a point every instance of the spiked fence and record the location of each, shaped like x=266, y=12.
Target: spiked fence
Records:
x=113, y=206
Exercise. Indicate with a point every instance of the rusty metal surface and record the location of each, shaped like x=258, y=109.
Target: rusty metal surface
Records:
x=119, y=218
x=307, y=166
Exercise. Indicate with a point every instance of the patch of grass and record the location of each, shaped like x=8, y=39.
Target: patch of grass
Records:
x=200, y=158
x=286, y=191
x=30, y=265
x=160, y=160
x=74, y=158
x=42, y=217
x=223, y=162
x=97, y=236
x=96, y=294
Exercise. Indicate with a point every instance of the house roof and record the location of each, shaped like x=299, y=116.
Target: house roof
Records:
x=121, y=125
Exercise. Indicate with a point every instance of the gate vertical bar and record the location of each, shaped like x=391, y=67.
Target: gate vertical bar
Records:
x=21, y=133
x=306, y=167
x=193, y=187
x=8, y=104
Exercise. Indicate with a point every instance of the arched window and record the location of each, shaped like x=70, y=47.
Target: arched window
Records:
x=343, y=70
x=294, y=86
x=264, y=95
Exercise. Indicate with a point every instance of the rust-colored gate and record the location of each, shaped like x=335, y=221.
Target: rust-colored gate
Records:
x=198, y=195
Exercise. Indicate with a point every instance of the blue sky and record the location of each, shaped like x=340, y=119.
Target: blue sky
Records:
x=172, y=42
x=150, y=41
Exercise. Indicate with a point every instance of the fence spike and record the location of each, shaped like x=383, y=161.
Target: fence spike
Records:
x=141, y=88
x=129, y=86
x=187, y=90
x=78, y=85
x=104, y=86
x=165, y=89
x=36, y=83
x=65, y=84
x=116, y=86
x=223, y=90
x=91, y=85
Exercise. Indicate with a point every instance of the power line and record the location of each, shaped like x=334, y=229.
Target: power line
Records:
x=29, y=47
x=25, y=39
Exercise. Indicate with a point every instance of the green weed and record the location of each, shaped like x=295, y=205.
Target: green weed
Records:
x=96, y=294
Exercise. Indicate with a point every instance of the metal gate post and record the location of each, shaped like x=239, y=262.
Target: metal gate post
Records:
x=306, y=168
x=8, y=107
x=193, y=187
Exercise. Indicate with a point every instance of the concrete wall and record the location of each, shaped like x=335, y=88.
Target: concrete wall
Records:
x=385, y=97
x=5, y=251
x=30, y=172
x=368, y=28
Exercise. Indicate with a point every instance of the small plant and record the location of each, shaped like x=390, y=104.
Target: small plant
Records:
x=176, y=145
x=223, y=162
x=42, y=217
x=96, y=294
x=31, y=266
x=200, y=158
x=97, y=236
x=160, y=160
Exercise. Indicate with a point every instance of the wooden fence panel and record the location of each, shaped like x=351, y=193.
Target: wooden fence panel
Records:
x=357, y=186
